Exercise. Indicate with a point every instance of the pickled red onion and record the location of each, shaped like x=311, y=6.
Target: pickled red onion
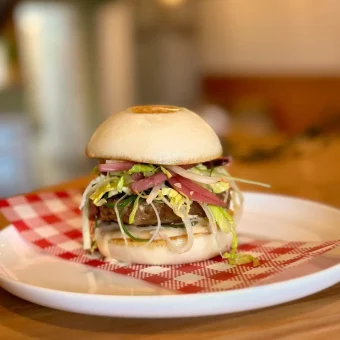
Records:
x=148, y=182
x=194, y=191
x=115, y=166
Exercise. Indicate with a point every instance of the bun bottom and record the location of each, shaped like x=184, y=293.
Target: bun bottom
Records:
x=158, y=253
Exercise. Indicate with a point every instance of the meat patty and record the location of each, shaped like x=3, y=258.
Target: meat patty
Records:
x=145, y=214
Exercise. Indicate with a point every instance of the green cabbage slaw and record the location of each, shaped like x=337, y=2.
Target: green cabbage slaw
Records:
x=117, y=182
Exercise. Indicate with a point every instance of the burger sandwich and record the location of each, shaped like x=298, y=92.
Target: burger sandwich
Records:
x=163, y=193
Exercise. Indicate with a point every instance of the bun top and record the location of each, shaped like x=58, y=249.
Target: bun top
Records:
x=155, y=134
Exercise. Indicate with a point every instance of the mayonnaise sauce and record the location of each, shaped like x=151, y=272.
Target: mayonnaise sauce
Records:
x=107, y=231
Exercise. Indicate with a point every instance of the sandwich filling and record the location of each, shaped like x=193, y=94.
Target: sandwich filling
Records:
x=147, y=202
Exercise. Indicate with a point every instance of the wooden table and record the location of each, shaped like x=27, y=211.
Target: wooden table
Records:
x=315, y=177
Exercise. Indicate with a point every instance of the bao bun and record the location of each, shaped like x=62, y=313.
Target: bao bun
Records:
x=155, y=134
x=165, y=135
x=158, y=253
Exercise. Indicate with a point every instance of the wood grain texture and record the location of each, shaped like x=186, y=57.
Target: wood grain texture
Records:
x=315, y=176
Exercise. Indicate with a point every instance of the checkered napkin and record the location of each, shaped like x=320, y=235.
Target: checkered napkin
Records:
x=52, y=222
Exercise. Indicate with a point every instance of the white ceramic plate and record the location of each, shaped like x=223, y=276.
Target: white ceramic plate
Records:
x=51, y=282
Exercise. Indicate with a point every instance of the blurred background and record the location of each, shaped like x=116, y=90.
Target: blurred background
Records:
x=265, y=74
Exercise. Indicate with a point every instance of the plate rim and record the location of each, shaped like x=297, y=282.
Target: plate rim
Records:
x=273, y=284
x=296, y=198
x=166, y=296
x=42, y=296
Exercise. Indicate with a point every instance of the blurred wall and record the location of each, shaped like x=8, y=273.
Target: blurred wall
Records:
x=270, y=36
x=282, y=56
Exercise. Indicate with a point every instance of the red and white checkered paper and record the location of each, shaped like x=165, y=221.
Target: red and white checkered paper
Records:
x=52, y=222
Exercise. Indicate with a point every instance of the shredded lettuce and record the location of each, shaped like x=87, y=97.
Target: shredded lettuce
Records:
x=94, y=246
x=200, y=167
x=134, y=210
x=238, y=259
x=113, y=187
x=165, y=171
x=102, y=190
x=112, y=193
x=120, y=184
x=103, y=200
x=219, y=187
x=220, y=171
x=95, y=170
x=176, y=200
x=226, y=224
x=222, y=218
x=216, y=188
x=235, y=258
x=146, y=169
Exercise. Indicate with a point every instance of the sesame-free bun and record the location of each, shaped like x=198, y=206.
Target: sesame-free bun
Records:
x=155, y=134
x=158, y=253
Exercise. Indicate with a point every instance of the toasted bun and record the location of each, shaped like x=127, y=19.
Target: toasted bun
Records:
x=155, y=134
x=158, y=253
